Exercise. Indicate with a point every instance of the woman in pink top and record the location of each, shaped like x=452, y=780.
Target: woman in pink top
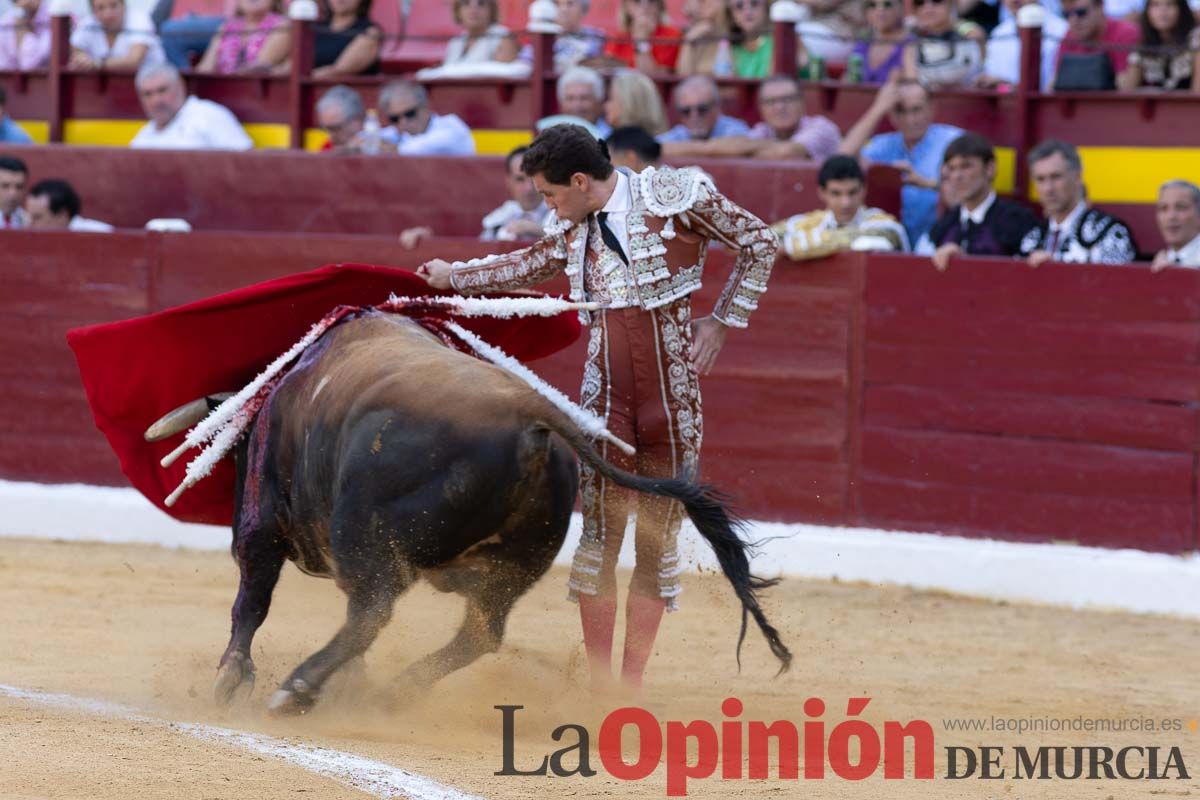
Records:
x=239, y=44
x=25, y=35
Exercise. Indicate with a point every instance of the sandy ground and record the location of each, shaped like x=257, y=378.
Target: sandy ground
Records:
x=145, y=626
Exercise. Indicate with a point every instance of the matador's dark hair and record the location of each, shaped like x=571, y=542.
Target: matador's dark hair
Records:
x=562, y=150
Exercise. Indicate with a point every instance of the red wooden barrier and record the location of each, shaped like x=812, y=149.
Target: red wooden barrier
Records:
x=1055, y=404
x=302, y=192
x=991, y=400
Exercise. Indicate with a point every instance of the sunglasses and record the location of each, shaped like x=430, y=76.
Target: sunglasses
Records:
x=1081, y=12
x=410, y=114
x=919, y=3
x=881, y=5
x=746, y=5
x=699, y=110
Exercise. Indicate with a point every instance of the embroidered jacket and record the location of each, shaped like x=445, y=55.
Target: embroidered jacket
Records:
x=817, y=233
x=1095, y=238
x=674, y=215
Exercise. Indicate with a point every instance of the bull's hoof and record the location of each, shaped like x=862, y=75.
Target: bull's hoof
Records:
x=291, y=700
x=235, y=680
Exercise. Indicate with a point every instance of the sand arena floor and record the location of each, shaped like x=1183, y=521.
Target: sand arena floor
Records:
x=144, y=626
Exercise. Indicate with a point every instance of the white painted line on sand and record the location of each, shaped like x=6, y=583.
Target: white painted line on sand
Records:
x=376, y=778
x=1058, y=574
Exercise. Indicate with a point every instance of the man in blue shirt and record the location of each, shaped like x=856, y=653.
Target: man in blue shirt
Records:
x=698, y=103
x=10, y=132
x=916, y=148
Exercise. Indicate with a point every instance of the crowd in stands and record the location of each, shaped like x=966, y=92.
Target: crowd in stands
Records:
x=606, y=84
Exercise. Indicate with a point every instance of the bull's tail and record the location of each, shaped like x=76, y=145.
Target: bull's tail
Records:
x=711, y=516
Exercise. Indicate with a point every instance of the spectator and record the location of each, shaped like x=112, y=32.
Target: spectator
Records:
x=698, y=103
x=1072, y=231
x=340, y=113
x=981, y=224
x=580, y=99
x=180, y=122
x=916, y=147
x=13, y=177
x=829, y=32
x=347, y=42
x=645, y=42
x=415, y=129
x=1003, y=61
x=844, y=223
x=483, y=38
x=25, y=35
x=944, y=51
x=883, y=53
x=707, y=34
x=784, y=133
x=1178, y=215
x=54, y=205
x=240, y=44
x=1090, y=32
x=1169, y=56
x=114, y=38
x=750, y=35
x=576, y=42
x=520, y=218
x=634, y=149
x=10, y=132
x=633, y=101
x=786, y=130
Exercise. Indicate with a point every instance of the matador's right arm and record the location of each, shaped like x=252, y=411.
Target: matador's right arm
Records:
x=519, y=269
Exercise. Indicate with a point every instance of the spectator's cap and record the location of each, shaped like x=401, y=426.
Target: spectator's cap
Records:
x=568, y=119
x=305, y=10
x=543, y=17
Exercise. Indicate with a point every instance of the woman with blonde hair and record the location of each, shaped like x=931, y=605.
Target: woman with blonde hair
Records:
x=633, y=100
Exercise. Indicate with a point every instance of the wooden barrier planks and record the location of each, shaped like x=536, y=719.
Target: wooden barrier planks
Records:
x=1057, y=403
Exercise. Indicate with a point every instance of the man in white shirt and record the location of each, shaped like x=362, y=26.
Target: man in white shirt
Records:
x=1003, y=61
x=13, y=176
x=54, y=205
x=1178, y=216
x=179, y=122
x=415, y=129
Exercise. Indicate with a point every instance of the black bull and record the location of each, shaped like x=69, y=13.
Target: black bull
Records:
x=389, y=457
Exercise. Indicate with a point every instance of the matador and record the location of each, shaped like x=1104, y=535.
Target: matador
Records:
x=636, y=245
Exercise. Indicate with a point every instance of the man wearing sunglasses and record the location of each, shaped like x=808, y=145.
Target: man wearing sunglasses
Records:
x=1090, y=32
x=785, y=132
x=636, y=245
x=415, y=129
x=697, y=101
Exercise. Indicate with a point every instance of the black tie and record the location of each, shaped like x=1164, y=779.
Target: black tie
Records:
x=609, y=237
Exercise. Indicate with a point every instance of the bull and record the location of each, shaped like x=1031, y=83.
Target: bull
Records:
x=384, y=457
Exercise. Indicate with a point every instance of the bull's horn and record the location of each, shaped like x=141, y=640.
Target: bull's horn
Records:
x=183, y=417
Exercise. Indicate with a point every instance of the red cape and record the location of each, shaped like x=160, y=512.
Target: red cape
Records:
x=139, y=369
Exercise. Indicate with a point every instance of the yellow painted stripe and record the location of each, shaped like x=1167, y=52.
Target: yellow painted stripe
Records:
x=487, y=142
x=269, y=135
x=1006, y=162
x=38, y=131
x=499, y=143
x=314, y=139
x=1133, y=174
x=101, y=132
